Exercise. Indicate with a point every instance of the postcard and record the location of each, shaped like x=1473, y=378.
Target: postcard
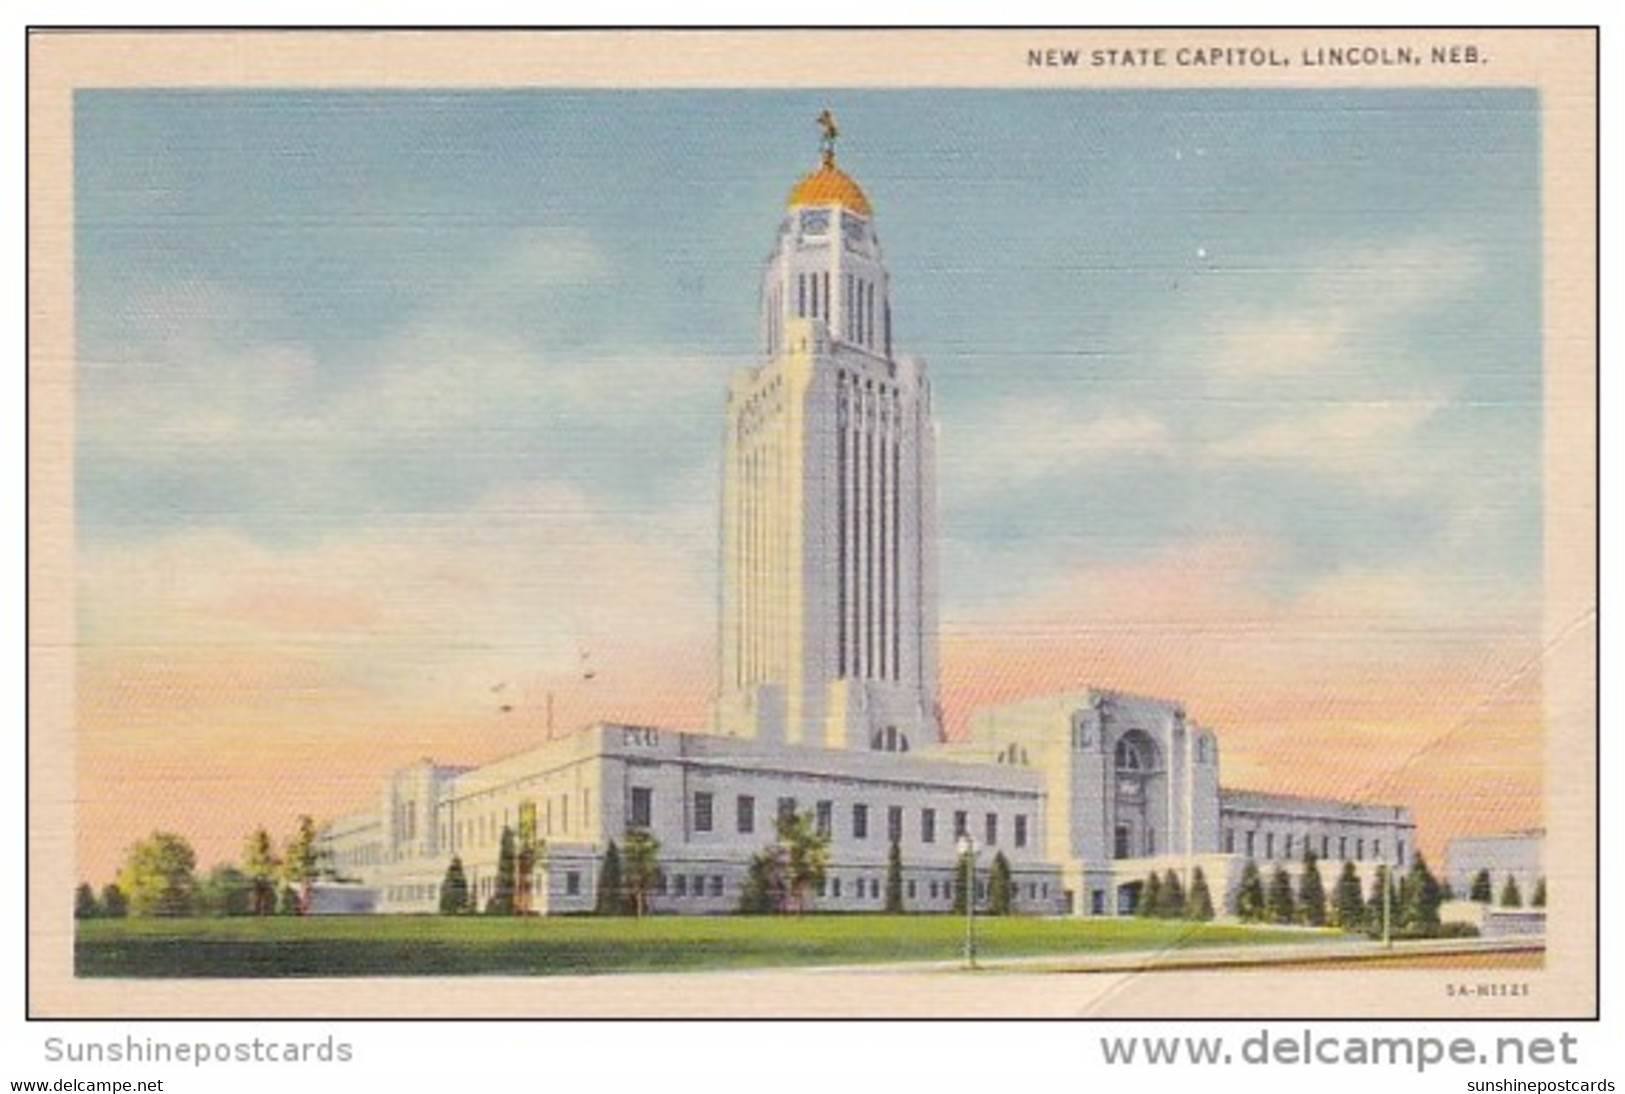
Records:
x=1056, y=523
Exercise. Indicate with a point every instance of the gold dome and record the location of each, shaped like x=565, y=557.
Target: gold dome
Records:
x=829, y=185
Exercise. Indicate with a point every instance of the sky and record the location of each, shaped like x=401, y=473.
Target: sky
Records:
x=399, y=420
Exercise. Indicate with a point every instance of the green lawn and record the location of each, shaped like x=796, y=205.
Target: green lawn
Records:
x=434, y=946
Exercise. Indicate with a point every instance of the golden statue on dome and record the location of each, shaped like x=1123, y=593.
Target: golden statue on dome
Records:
x=826, y=122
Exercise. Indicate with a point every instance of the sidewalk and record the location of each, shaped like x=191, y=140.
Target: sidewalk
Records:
x=1215, y=957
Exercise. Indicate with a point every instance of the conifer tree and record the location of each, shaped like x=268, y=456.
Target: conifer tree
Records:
x=1538, y=898
x=1171, y=897
x=611, y=889
x=894, y=879
x=962, y=883
x=1278, y=903
x=84, y=902
x=1199, y=904
x=114, y=903
x=502, y=897
x=1150, y=902
x=1420, y=897
x=1350, y=903
x=1000, y=889
x=1510, y=896
x=1311, y=893
x=1250, y=896
x=454, y=889
x=1483, y=888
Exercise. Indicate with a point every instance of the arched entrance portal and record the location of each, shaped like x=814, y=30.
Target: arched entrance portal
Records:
x=1137, y=778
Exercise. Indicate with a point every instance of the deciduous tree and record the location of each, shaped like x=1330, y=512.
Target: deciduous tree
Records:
x=301, y=863
x=84, y=902
x=806, y=855
x=261, y=864
x=640, y=866
x=764, y=891
x=226, y=891
x=527, y=852
x=158, y=876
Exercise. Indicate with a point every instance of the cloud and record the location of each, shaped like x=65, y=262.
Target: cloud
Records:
x=1280, y=344
x=1029, y=440
x=1373, y=446
x=1346, y=300
x=212, y=418
x=415, y=608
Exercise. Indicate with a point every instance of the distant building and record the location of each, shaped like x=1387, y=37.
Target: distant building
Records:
x=1518, y=855
x=828, y=695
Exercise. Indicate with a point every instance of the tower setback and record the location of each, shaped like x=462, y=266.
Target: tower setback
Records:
x=829, y=617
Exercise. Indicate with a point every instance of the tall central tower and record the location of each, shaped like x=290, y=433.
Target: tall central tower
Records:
x=829, y=605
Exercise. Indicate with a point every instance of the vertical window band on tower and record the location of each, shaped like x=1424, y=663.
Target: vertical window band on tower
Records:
x=869, y=322
x=872, y=511
x=896, y=577
x=842, y=425
x=887, y=536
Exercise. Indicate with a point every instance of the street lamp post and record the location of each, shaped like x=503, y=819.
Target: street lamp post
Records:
x=967, y=855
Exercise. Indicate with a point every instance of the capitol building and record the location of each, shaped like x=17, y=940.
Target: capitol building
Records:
x=827, y=692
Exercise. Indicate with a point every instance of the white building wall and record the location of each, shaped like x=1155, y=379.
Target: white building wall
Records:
x=1519, y=855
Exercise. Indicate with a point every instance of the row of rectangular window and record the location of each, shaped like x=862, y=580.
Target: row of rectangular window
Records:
x=703, y=818
x=700, y=886
x=486, y=830
x=685, y=885
x=866, y=888
x=1292, y=849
